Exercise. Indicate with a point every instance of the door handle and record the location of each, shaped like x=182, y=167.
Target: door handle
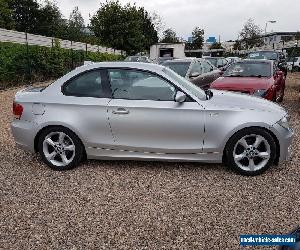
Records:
x=121, y=111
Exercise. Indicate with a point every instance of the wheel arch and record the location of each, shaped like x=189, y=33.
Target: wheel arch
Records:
x=224, y=157
x=36, y=138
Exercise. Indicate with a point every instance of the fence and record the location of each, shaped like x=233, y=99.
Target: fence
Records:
x=31, y=39
x=26, y=57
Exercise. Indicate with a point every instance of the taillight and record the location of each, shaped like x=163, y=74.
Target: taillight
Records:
x=17, y=110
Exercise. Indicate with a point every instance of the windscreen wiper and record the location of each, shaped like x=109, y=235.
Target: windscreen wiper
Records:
x=234, y=75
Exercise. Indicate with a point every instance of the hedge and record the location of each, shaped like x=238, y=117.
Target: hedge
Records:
x=20, y=64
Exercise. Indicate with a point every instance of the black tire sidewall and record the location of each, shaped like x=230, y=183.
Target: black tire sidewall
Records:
x=78, y=148
x=237, y=136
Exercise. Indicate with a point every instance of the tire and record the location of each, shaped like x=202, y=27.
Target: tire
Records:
x=239, y=156
x=60, y=148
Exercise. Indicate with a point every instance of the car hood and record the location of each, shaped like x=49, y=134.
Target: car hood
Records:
x=247, y=84
x=236, y=101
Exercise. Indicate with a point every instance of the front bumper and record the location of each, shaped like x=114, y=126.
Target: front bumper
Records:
x=24, y=133
x=285, y=137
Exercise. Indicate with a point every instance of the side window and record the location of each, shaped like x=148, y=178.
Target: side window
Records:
x=196, y=68
x=140, y=85
x=89, y=84
x=220, y=63
x=206, y=67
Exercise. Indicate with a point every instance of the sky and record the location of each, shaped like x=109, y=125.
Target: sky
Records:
x=223, y=18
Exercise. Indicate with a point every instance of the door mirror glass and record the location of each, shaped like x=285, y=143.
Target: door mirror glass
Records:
x=180, y=97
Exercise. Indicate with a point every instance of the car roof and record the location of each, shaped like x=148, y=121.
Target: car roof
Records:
x=256, y=61
x=122, y=64
x=188, y=59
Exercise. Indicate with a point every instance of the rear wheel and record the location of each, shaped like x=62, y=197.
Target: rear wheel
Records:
x=251, y=151
x=60, y=148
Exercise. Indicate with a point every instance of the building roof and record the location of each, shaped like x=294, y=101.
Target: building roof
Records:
x=279, y=34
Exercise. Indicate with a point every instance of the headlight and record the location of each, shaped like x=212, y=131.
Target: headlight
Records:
x=284, y=122
x=260, y=92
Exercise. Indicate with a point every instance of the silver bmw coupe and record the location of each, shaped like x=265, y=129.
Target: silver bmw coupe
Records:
x=123, y=110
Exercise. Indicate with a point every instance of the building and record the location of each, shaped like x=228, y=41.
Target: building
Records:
x=274, y=38
x=175, y=50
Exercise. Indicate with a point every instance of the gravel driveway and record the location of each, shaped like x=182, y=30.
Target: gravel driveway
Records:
x=142, y=205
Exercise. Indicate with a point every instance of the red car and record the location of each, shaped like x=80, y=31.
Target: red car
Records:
x=255, y=77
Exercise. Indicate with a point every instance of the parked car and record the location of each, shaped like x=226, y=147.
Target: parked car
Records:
x=220, y=62
x=196, y=70
x=233, y=59
x=117, y=110
x=143, y=59
x=255, y=77
x=293, y=64
x=277, y=56
x=161, y=60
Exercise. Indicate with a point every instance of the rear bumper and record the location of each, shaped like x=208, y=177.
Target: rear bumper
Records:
x=24, y=133
x=285, y=137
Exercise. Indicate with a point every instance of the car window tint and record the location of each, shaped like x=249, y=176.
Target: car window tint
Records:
x=196, y=68
x=140, y=85
x=89, y=84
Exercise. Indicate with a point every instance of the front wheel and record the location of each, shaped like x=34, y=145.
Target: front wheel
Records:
x=60, y=148
x=251, y=151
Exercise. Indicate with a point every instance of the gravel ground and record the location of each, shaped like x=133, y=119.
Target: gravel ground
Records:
x=142, y=205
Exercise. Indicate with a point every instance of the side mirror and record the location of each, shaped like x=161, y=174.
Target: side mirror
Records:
x=194, y=74
x=180, y=97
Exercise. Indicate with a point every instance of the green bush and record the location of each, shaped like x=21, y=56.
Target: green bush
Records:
x=20, y=64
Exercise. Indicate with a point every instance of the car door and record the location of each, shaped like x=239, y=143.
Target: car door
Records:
x=145, y=118
x=85, y=98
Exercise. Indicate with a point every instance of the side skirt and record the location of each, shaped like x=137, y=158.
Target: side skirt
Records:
x=113, y=154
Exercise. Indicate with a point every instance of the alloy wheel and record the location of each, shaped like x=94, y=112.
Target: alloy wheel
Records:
x=252, y=152
x=59, y=149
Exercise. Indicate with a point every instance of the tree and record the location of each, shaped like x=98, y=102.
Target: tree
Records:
x=75, y=25
x=198, y=38
x=216, y=45
x=128, y=27
x=169, y=36
x=6, y=17
x=158, y=23
x=298, y=36
x=237, y=45
x=251, y=34
x=25, y=14
x=50, y=22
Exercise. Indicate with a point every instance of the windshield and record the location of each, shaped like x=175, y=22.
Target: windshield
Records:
x=268, y=55
x=249, y=69
x=196, y=91
x=213, y=61
x=180, y=68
